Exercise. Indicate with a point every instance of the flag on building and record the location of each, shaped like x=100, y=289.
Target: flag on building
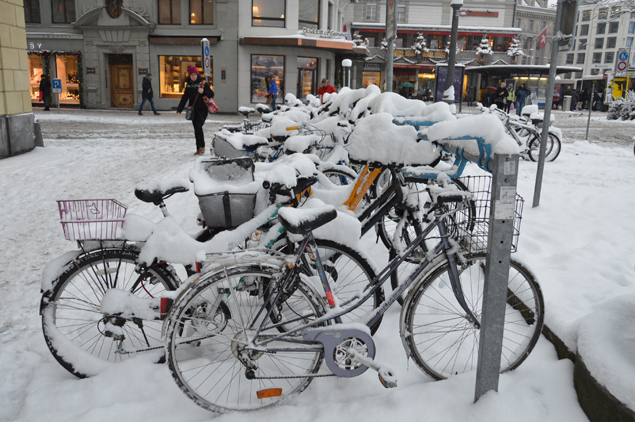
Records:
x=542, y=38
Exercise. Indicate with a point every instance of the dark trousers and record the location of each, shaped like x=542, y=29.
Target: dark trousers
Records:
x=45, y=98
x=151, y=101
x=198, y=120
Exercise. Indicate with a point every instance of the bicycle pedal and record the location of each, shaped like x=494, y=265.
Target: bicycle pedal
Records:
x=388, y=380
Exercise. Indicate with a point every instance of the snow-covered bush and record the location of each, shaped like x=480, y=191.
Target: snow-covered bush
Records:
x=483, y=48
x=623, y=108
x=419, y=46
x=514, y=49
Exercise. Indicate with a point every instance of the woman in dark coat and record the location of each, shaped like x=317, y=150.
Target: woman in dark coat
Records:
x=500, y=97
x=195, y=90
x=45, y=89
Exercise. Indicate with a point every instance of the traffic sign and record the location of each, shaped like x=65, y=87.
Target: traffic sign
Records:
x=56, y=85
x=206, y=59
x=622, y=60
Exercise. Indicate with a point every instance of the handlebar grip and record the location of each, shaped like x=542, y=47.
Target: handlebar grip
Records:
x=266, y=184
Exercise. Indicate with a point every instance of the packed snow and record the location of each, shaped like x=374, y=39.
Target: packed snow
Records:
x=579, y=243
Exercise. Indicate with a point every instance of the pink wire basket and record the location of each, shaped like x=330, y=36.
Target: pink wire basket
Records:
x=92, y=219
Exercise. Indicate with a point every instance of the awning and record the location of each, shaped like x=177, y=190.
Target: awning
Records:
x=305, y=42
x=513, y=69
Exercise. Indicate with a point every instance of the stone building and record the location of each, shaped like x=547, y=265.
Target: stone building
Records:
x=102, y=49
x=532, y=16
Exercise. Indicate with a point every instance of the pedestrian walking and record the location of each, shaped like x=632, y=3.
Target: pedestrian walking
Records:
x=510, y=99
x=325, y=88
x=574, y=100
x=45, y=89
x=146, y=94
x=195, y=90
x=500, y=97
x=273, y=91
x=521, y=96
x=470, y=95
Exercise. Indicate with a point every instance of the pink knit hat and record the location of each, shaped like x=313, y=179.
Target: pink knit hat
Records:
x=192, y=69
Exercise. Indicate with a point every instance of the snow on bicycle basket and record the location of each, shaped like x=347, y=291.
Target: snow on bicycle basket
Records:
x=376, y=139
x=234, y=145
x=226, y=191
x=92, y=219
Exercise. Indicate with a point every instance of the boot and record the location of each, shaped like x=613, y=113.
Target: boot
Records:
x=200, y=151
x=156, y=114
x=140, y=114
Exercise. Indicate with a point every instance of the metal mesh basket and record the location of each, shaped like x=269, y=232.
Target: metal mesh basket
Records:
x=92, y=219
x=472, y=222
x=227, y=209
x=224, y=149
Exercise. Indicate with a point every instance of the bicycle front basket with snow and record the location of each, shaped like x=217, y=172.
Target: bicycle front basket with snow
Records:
x=92, y=219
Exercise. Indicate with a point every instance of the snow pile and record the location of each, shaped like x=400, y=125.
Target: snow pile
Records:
x=300, y=143
x=485, y=126
x=214, y=176
x=377, y=139
x=240, y=140
x=164, y=185
x=395, y=104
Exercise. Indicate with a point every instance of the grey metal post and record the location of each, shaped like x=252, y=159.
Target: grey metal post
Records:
x=454, y=33
x=58, y=103
x=346, y=64
x=501, y=223
x=588, y=122
x=555, y=46
x=391, y=34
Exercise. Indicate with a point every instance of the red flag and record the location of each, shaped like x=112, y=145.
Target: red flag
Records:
x=542, y=38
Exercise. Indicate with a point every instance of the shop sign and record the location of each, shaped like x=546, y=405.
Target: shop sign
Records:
x=372, y=66
x=486, y=14
x=142, y=70
x=322, y=33
x=90, y=70
x=35, y=45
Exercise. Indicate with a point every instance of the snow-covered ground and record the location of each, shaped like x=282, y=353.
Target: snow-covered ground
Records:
x=579, y=243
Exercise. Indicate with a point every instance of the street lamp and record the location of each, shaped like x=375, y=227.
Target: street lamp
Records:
x=346, y=64
x=454, y=35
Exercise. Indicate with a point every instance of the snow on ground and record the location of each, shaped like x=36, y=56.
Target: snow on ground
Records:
x=579, y=243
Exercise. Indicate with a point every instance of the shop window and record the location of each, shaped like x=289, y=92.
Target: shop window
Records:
x=268, y=13
x=601, y=29
x=32, y=11
x=262, y=66
x=307, y=77
x=201, y=12
x=570, y=58
x=597, y=58
x=586, y=15
x=609, y=57
x=36, y=70
x=613, y=27
x=309, y=14
x=66, y=70
x=370, y=12
x=173, y=74
x=401, y=14
x=170, y=12
x=371, y=78
x=599, y=43
x=611, y=42
x=580, y=58
x=63, y=11
x=604, y=13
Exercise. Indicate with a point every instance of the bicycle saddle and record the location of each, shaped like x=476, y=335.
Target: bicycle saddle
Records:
x=157, y=196
x=246, y=111
x=304, y=220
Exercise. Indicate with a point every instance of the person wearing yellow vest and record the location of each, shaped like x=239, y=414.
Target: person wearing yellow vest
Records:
x=511, y=97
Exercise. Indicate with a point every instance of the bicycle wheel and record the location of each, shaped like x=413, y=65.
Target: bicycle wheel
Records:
x=72, y=323
x=552, y=151
x=440, y=339
x=208, y=351
x=338, y=177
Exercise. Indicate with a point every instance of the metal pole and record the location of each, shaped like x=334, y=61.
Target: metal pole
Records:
x=391, y=34
x=58, y=103
x=499, y=242
x=588, y=122
x=456, y=5
x=555, y=46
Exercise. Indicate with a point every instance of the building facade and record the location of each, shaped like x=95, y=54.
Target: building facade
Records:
x=102, y=49
x=532, y=16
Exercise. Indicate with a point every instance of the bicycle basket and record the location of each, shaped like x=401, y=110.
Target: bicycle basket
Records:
x=472, y=222
x=224, y=149
x=228, y=209
x=92, y=219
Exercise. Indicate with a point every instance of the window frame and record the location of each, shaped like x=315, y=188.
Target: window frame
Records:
x=171, y=9
x=365, y=8
x=66, y=14
x=611, y=42
x=601, y=28
x=611, y=55
x=311, y=24
x=596, y=58
x=584, y=30
x=570, y=58
x=583, y=44
x=603, y=13
x=598, y=44
x=270, y=19
x=586, y=15
x=405, y=13
x=614, y=27
x=580, y=58
x=202, y=4
x=631, y=27
x=30, y=9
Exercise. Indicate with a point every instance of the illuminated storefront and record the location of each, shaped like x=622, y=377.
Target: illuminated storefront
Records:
x=307, y=77
x=173, y=74
x=262, y=66
x=57, y=64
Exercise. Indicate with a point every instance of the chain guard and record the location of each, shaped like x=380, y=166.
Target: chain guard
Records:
x=332, y=338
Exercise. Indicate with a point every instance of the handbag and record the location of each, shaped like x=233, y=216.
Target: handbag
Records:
x=211, y=104
x=190, y=109
x=41, y=96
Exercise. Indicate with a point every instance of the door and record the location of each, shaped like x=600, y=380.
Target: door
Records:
x=121, y=86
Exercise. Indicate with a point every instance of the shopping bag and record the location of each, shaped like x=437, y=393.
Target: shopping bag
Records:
x=511, y=107
x=41, y=96
x=211, y=104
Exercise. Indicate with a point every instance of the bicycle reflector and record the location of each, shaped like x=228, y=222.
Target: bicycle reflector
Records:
x=269, y=392
x=292, y=128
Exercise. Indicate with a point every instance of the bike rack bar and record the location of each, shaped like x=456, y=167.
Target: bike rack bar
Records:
x=501, y=223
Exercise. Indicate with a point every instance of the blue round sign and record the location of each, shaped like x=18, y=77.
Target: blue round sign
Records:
x=207, y=50
x=623, y=56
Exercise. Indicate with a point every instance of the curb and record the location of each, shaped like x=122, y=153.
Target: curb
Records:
x=596, y=401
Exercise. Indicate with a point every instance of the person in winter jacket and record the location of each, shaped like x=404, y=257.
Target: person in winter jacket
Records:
x=500, y=96
x=325, y=88
x=146, y=94
x=521, y=96
x=45, y=89
x=195, y=90
x=510, y=99
x=272, y=86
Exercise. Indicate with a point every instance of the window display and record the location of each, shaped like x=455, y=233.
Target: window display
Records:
x=262, y=66
x=307, y=77
x=66, y=70
x=36, y=70
x=173, y=74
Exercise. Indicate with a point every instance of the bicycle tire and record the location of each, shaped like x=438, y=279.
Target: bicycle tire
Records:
x=551, y=153
x=211, y=369
x=440, y=339
x=71, y=320
x=348, y=274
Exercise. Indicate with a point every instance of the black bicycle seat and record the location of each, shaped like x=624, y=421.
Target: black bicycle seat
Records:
x=157, y=196
x=297, y=221
x=246, y=111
